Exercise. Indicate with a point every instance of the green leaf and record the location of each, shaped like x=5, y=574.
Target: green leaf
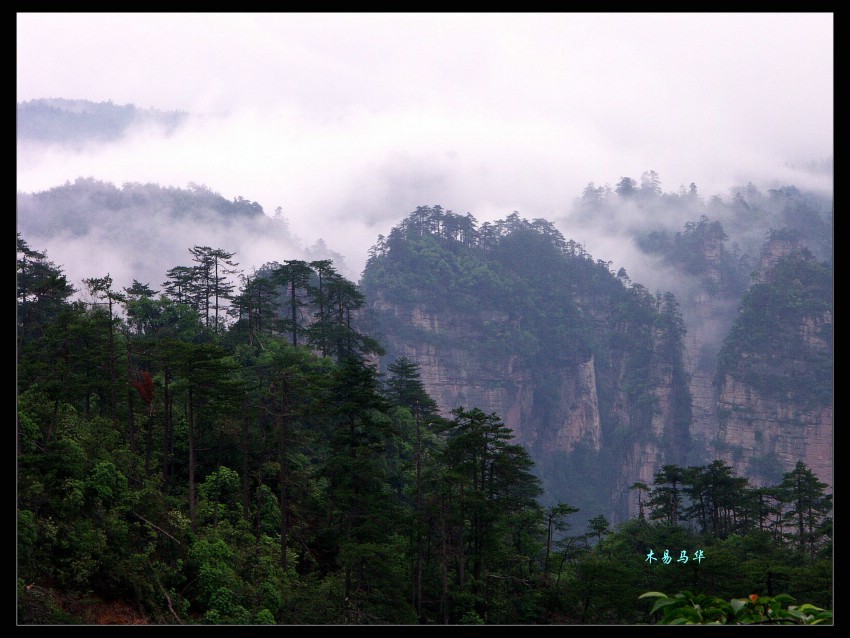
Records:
x=738, y=604
x=784, y=599
x=808, y=606
x=824, y=616
x=678, y=621
x=652, y=594
x=690, y=614
x=711, y=612
x=663, y=602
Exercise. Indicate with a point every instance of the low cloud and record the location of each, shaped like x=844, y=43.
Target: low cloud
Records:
x=348, y=123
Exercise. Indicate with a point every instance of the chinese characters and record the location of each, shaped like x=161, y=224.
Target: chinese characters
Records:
x=666, y=558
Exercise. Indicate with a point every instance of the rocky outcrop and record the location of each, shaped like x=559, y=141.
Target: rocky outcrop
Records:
x=456, y=376
x=708, y=319
x=551, y=410
x=597, y=378
x=764, y=435
x=774, y=250
x=758, y=435
x=762, y=431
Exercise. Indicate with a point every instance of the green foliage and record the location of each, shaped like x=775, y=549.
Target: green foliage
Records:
x=809, y=508
x=471, y=618
x=700, y=250
x=107, y=484
x=686, y=608
x=212, y=561
x=220, y=496
x=224, y=609
x=27, y=535
x=226, y=475
x=724, y=505
x=264, y=617
x=768, y=347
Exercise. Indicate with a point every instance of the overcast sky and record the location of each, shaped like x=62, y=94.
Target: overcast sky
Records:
x=350, y=121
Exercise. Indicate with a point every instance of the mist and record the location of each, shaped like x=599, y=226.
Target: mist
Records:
x=347, y=123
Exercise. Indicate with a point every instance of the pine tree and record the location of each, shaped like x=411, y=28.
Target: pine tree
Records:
x=42, y=291
x=211, y=281
x=294, y=276
x=808, y=507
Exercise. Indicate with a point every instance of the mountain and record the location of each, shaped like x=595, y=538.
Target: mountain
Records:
x=585, y=366
x=77, y=122
x=602, y=380
x=774, y=377
x=139, y=231
x=719, y=265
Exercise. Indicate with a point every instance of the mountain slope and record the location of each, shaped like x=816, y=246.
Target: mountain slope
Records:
x=596, y=375
x=583, y=365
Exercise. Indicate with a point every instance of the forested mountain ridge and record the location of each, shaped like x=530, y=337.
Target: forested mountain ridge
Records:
x=132, y=229
x=713, y=272
x=434, y=288
x=78, y=122
x=585, y=366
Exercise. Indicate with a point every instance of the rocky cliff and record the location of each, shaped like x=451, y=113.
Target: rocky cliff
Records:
x=456, y=375
x=760, y=434
x=588, y=375
x=602, y=381
x=772, y=392
x=589, y=408
x=762, y=437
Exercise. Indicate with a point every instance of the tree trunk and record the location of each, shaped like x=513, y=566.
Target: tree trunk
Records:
x=417, y=583
x=282, y=419
x=191, y=429
x=246, y=496
x=166, y=430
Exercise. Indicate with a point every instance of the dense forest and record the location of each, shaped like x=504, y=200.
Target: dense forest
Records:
x=223, y=448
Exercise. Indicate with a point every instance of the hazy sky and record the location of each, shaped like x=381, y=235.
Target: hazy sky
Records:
x=349, y=121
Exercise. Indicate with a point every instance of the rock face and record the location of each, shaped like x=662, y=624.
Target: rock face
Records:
x=637, y=393
x=763, y=435
x=759, y=435
x=456, y=377
x=552, y=410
